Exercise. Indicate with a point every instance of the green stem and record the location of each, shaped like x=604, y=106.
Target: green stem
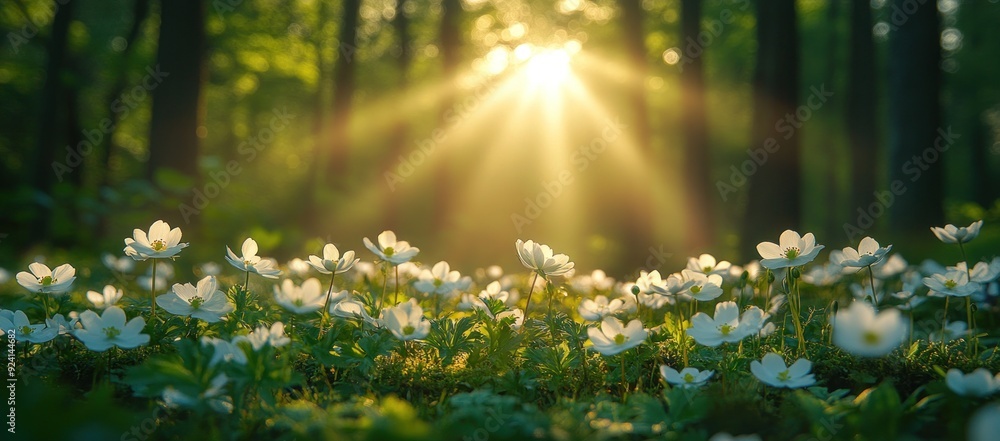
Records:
x=385, y=284
x=944, y=326
x=973, y=340
x=152, y=294
x=871, y=276
x=326, y=305
x=395, y=297
x=45, y=303
x=530, y=291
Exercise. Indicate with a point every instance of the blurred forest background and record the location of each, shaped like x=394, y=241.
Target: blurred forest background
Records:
x=625, y=133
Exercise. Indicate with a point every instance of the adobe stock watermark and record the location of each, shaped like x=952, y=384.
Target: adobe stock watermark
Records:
x=581, y=159
x=656, y=258
x=11, y=380
x=249, y=150
x=20, y=37
x=710, y=32
x=913, y=169
x=786, y=126
x=458, y=112
x=123, y=106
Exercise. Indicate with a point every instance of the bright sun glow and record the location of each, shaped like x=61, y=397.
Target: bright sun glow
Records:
x=548, y=67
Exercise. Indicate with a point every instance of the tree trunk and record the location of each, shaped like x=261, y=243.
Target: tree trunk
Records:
x=635, y=46
x=400, y=131
x=343, y=93
x=700, y=215
x=861, y=118
x=774, y=189
x=53, y=93
x=451, y=47
x=177, y=106
x=914, y=119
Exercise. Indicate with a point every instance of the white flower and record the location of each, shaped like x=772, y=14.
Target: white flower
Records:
x=868, y=253
x=43, y=280
x=225, y=351
x=390, y=250
x=910, y=301
x=703, y=287
x=600, y=307
x=953, y=283
x=688, y=378
x=516, y=313
x=985, y=423
x=304, y=299
x=648, y=282
x=264, y=336
x=108, y=297
x=251, y=262
x=298, y=267
x=205, y=302
x=612, y=338
x=541, y=259
x=791, y=250
x=706, y=264
x=160, y=243
x=119, y=264
x=978, y=383
x=210, y=269
x=982, y=272
x=213, y=396
x=352, y=309
x=62, y=325
x=24, y=330
x=495, y=291
x=859, y=331
x=332, y=261
x=772, y=371
x=438, y=280
x=99, y=333
x=889, y=267
x=823, y=275
x=953, y=234
x=951, y=332
x=406, y=321
x=726, y=326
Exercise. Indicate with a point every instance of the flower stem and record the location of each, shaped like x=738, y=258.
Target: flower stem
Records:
x=530, y=291
x=973, y=340
x=624, y=386
x=152, y=294
x=944, y=326
x=326, y=305
x=395, y=297
x=871, y=276
x=385, y=284
x=45, y=303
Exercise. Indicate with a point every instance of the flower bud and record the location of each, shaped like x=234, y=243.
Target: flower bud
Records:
x=796, y=273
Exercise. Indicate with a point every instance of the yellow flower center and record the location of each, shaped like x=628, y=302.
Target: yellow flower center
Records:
x=726, y=329
x=792, y=253
x=46, y=281
x=388, y=251
x=688, y=378
x=298, y=302
x=620, y=339
x=437, y=283
x=26, y=330
x=196, y=302
x=158, y=245
x=784, y=375
x=707, y=269
x=112, y=332
x=871, y=338
x=695, y=289
x=408, y=330
x=950, y=284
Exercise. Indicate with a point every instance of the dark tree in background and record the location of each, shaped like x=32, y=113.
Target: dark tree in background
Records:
x=53, y=111
x=915, y=117
x=829, y=145
x=177, y=101
x=343, y=93
x=451, y=56
x=700, y=226
x=635, y=48
x=861, y=102
x=400, y=131
x=774, y=191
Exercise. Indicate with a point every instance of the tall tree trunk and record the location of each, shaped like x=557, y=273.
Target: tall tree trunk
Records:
x=915, y=119
x=343, y=93
x=635, y=46
x=400, y=130
x=774, y=190
x=861, y=118
x=177, y=106
x=451, y=48
x=53, y=93
x=830, y=145
x=700, y=215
